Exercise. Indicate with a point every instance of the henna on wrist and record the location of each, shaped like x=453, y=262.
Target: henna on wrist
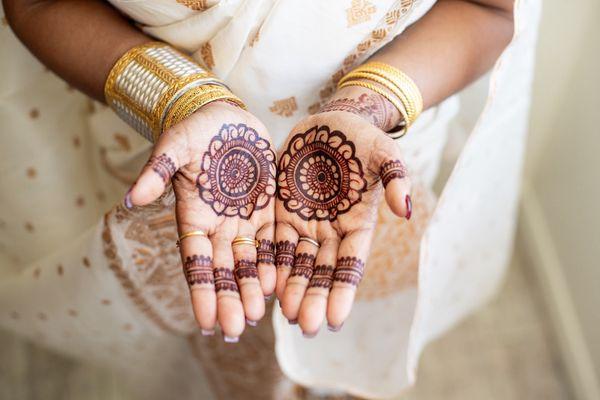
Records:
x=198, y=270
x=393, y=169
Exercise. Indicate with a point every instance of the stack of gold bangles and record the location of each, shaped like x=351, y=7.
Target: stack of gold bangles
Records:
x=153, y=87
x=392, y=84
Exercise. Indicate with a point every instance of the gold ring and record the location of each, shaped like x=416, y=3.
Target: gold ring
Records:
x=245, y=240
x=309, y=240
x=189, y=234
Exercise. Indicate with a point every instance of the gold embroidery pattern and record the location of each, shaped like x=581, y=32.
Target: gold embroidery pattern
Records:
x=196, y=5
x=360, y=11
x=207, y=55
x=377, y=37
x=152, y=272
x=284, y=107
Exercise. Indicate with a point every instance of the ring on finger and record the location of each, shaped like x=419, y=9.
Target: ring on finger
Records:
x=245, y=240
x=189, y=234
x=309, y=240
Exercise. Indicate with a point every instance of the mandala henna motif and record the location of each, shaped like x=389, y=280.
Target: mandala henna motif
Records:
x=303, y=266
x=320, y=176
x=392, y=170
x=224, y=280
x=349, y=270
x=322, y=277
x=238, y=172
x=245, y=269
x=265, y=254
x=198, y=270
x=163, y=166
x=285, y=253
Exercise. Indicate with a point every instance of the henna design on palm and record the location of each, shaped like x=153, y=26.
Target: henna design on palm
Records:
x=320, y=176
x=198, y=270
x=238, y=171
x=224, y=280
x=285, y=253
x=393, y=169
x=304, y=265
x=265, y=253
x=349, y=270
x=163, y=166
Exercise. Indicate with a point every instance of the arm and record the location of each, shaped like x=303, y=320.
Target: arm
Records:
x=80, y=40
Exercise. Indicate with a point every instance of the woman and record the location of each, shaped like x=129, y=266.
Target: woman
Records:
x=285, y=60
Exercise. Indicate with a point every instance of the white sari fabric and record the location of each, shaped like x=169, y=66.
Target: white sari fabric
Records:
x=86, y=277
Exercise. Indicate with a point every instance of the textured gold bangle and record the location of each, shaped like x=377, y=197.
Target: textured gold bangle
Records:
x=395, y=102
x=146, y=81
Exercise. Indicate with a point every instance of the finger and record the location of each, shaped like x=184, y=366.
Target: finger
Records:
x=348, y=273
x=286, y=239
x=196, y=252
x=314, y=304
x=394, y=176
x=265, y=259
x=156, y=174
x=298, y=279
x=230, y=312
x=246, y=273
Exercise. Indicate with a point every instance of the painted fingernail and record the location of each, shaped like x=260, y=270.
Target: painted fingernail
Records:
x=293, y=321
x=127, y=200
x=267, y=298
x=334, y=328
x=250, y=322
x=207, y=332
x=408, y=207
x=309, y=335
x=230, y=339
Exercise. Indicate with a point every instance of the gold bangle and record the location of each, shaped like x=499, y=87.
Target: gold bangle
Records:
x=395, y=102
x=190, y=234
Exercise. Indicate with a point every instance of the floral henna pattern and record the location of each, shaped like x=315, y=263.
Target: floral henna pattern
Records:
x=285, y=253
x=224, y=280
x=163, y=166
x=238, y=172
x=245, y=269
x=349, y=270
x=303, y=266
x=322, y=277
x=371, y=107
x=320, y=177
x=198, y=270
x=392, y=170
x=265, y=254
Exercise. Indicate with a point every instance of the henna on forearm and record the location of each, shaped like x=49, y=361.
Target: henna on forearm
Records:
x=285, y=253
x=393, y=169
x=198, y=270
x=238, y=172
x=349, y=270
x=224, y=280
x=371, y=106
x=304, y=265
x=265, y=254
x=163, y=166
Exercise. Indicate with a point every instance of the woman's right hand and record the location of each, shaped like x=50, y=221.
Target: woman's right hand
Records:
x=222, y=166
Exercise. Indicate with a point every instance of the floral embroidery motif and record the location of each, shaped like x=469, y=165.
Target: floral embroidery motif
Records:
x=207, y=55
x=284, y=107
x=360, y=11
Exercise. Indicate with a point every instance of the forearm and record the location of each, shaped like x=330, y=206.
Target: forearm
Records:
x=80, y=40
x=451, y=46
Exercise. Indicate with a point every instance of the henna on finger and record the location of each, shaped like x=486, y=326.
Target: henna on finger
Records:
x=245, y=269
x=238, y=172
x=303, y=266
x=349, y=270
x=163, y=166
x=198, y=270
x=286, y=251
x=320, y=176
x=322, y=277
x=265, y=253
x=393, y=169
x=224, y=280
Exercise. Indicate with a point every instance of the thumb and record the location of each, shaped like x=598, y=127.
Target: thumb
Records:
x=155, y=176
x=394, y=176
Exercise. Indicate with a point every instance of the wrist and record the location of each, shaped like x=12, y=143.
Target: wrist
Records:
x=367, y=104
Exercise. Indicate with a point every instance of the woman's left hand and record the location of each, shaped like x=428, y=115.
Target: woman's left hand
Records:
x=332, y=173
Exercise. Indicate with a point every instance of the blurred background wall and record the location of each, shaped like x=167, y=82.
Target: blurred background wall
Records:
x=560, y=219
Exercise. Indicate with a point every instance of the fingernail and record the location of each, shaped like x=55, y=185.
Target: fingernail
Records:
x=230, y=339
x=334, y=328
x=408, y=207
x=293, y=321
x=207, y=332
x=127, y=200
x=250, y=322
x=267, y=298
x=309, y=335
